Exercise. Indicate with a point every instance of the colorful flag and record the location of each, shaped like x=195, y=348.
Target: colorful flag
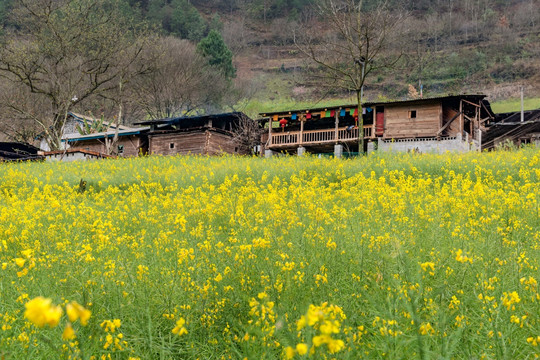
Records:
x=332, y=113
x=342, y=112
x=308, y=116
x=293, y=117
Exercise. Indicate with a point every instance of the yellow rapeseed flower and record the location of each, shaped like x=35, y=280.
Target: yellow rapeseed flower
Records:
x=41, y=312
x=289, y=352
x=68, y=333
x=179, y=329
x=20, y=262
x=76, y=311
x=302, y=349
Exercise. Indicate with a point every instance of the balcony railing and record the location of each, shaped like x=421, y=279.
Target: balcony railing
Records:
x=311, y=137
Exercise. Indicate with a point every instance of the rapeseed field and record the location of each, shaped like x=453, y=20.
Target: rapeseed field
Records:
x=390, y=256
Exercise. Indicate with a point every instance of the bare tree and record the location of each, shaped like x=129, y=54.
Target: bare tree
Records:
x=180, y=81
x=20, y=110
x=247, y=134
x=356, y=41
x=65, y=52
x=236, y=34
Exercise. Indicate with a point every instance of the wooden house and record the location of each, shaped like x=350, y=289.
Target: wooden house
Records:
x=204, y=135
x=438, y=124
x=77, y=121
x=130, y=142
x=511, y=129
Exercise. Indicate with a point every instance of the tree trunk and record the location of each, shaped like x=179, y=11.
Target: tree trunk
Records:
x=360, y=122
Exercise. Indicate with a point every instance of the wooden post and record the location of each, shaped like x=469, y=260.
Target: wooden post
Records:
x=479, y=140
x=270, y=132
x=337, y=126
x=461, y=122
x=477, y=119
x=478, y=128
x=440, y=118
x=301, y=129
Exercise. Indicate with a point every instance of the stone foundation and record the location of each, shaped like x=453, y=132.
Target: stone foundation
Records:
x=429, y=145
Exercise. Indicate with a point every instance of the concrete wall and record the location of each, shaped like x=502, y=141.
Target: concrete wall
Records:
x=68, y=157
x=428, y=145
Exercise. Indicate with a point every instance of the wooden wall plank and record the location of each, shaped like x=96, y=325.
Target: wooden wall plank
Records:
x=131, y=145
x=398, y=123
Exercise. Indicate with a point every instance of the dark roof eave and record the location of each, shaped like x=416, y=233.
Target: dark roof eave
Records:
x=370, y=104
x=174, y=120
x=436, y=98
x=102, y=136
x=308, y=110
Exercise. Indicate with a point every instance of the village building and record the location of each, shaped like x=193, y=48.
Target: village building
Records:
x=203, y=135
x=123, y=143
x=513, y=129
x=439, y=124
x=77, y=125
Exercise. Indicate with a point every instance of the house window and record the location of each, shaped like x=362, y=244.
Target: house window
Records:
x=412, y=114
x=120, y=149
x=171, y=146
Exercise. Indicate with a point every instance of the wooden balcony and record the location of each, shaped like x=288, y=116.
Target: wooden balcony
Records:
x=316, y=137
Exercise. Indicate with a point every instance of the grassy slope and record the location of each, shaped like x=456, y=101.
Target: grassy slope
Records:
x=515, y=105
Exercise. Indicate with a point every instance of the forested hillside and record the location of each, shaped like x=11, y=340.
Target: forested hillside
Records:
x=242, y=55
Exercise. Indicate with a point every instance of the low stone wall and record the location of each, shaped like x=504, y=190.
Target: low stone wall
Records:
x=428, y=145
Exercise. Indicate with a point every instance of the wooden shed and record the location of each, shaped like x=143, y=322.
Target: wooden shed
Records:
x=431, y=117
x=130, y=142
x=204, y=135
x=511, y=129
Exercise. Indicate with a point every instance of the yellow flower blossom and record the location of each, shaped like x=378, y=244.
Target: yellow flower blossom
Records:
x=76, y=311
x=40, y=311
x=302, y=349
x=179, y=329
x=68, y=333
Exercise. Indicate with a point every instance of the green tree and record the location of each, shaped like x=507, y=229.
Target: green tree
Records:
x=186, y=21
x=5, y=5
x=218, y=55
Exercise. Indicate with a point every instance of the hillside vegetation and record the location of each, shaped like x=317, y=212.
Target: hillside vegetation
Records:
x=180, y=57
x=452, y=46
